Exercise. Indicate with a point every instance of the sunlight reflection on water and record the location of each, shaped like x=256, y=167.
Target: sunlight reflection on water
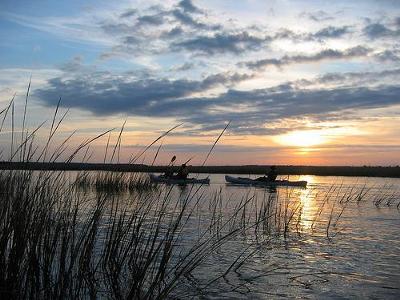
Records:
x=360, y=258
x=337, y=247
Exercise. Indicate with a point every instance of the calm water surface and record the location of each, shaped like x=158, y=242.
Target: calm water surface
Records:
x=354, y=255
x=343, y=241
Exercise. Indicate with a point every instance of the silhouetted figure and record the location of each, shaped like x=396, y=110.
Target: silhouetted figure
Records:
x=168, y=173
x=183, y=172
x=270, y=176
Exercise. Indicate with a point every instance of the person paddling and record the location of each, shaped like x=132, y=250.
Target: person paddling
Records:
x=270, y=176
x=183, y=172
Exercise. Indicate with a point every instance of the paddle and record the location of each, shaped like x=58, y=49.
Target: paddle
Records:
x=189, y=159
x=172, y=160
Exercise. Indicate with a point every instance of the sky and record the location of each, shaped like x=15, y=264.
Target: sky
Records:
x=301, y=82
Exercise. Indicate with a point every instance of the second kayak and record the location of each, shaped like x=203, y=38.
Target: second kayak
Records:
x=248, y=181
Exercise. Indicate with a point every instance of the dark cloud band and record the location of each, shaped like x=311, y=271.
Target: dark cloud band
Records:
x=249, y=110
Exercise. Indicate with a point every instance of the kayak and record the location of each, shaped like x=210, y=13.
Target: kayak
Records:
x=248, y=181
x=171, y=180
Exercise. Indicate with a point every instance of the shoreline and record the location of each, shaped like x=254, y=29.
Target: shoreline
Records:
x=364, y=171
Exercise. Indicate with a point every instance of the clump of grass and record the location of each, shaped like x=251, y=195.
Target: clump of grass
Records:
x=114, y=182
x=56, y=242
x=386, y=195
x=121, y=182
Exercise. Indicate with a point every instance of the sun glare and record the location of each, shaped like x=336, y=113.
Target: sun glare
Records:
x=302, y=138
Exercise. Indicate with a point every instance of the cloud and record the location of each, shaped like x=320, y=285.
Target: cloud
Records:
x=103, y=93
x=349, y=79
x=317, y=16
x=378, y=30
x=150, y=20
x=182, y=26
x=388, y=56
x=129, y=13
x=227, y=42
x=187, y=28
x=77, y=29
x=225, y=148
x=397, y=22
x=269, y=106
x=331, y=32
x=73, y=66
x=188, y=6
x=186, y=19
x=183, y=67
x=249, y=111
x=328, y=54
x=77, y=67
x=352, y=78
x=172, y=33
x=223, y=43
x=157, y=29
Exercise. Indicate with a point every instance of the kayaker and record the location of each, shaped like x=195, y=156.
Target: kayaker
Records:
x=270, y=176
x=168, y=173
x=183, y=172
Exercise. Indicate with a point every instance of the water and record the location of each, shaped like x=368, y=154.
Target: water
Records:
x=336, y=239
x=354, y=255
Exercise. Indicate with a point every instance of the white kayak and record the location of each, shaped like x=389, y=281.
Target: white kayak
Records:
x=249, y=181
x=172, y=180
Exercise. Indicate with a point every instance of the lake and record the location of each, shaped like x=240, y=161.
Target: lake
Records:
x=356, y=258
x=97, y=234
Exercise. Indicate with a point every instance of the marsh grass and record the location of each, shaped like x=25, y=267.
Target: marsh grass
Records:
x=57, y=242
x=114, y=182
x=115, y=235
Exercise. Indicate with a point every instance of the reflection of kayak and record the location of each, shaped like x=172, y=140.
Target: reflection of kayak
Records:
x=248, y=181
x=169, y=180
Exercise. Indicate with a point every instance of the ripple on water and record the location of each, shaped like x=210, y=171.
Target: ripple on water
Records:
x=359, y=260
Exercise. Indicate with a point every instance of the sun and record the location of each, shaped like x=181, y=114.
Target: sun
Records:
x=306, y=138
